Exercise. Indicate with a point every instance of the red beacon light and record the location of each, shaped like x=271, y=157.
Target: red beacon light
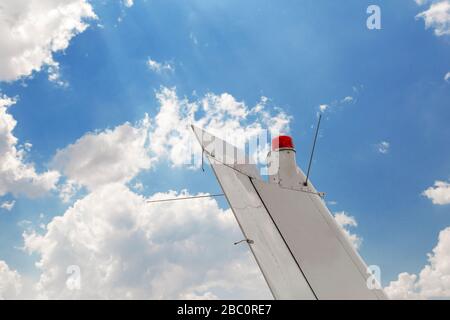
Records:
x=282, y=143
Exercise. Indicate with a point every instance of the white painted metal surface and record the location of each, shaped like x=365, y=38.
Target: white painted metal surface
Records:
x=271, y=253
x=327, y=259
x=297, y=244
x=277, y=264
x=332, y=266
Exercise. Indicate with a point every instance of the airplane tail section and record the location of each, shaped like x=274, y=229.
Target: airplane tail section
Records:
x=295, y=240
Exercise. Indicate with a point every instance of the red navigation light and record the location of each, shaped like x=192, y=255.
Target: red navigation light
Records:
x=282, y=142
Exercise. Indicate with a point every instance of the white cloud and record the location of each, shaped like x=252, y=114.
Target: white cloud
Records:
x=347, y=99
x=439, y=193
x=323, y=107
x=403, y=287
x=345, y=221
x=159, y=67
x=8, y=205
x=138, y=186
x=336, y=103
x=437, y=16
x=128, y=3
x=10, y=282
x=383, y=147
x=433, y=281
x=54, y=74
x=96, y=159
x=32, y=30
x=16, y=175
x=193, y=38
x=118, y=155
x=447, y=76
x=222, y=115
x=127, y=248
x=68, y=190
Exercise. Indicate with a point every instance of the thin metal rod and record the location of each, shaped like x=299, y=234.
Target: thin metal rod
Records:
x=249, y=241
x=312, y=151
x=187, y=198
x=203, y=153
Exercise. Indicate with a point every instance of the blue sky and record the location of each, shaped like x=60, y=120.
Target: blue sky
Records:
x=298, y=54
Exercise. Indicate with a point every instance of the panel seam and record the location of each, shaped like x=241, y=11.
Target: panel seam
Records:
x=284, y=240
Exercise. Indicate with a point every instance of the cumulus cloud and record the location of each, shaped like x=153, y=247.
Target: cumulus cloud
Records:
x=128, y=3
x=437, y=16
x=119, y=154
x=341, y=102
x=16, y=175
x=31, y=31
x=138, y=186
x=10, y=282
x=345, y=222
x=159, y=67
x=124, y=247
x=347, y=99
x=221, y=115
x=383, y=147
x=109, y=156
x=68, y=190
x=439, y=193
x=447, y=76
x=323, y=107
x=421, y=2
x=403, y=288
x=433, y=281
x=8, y=205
